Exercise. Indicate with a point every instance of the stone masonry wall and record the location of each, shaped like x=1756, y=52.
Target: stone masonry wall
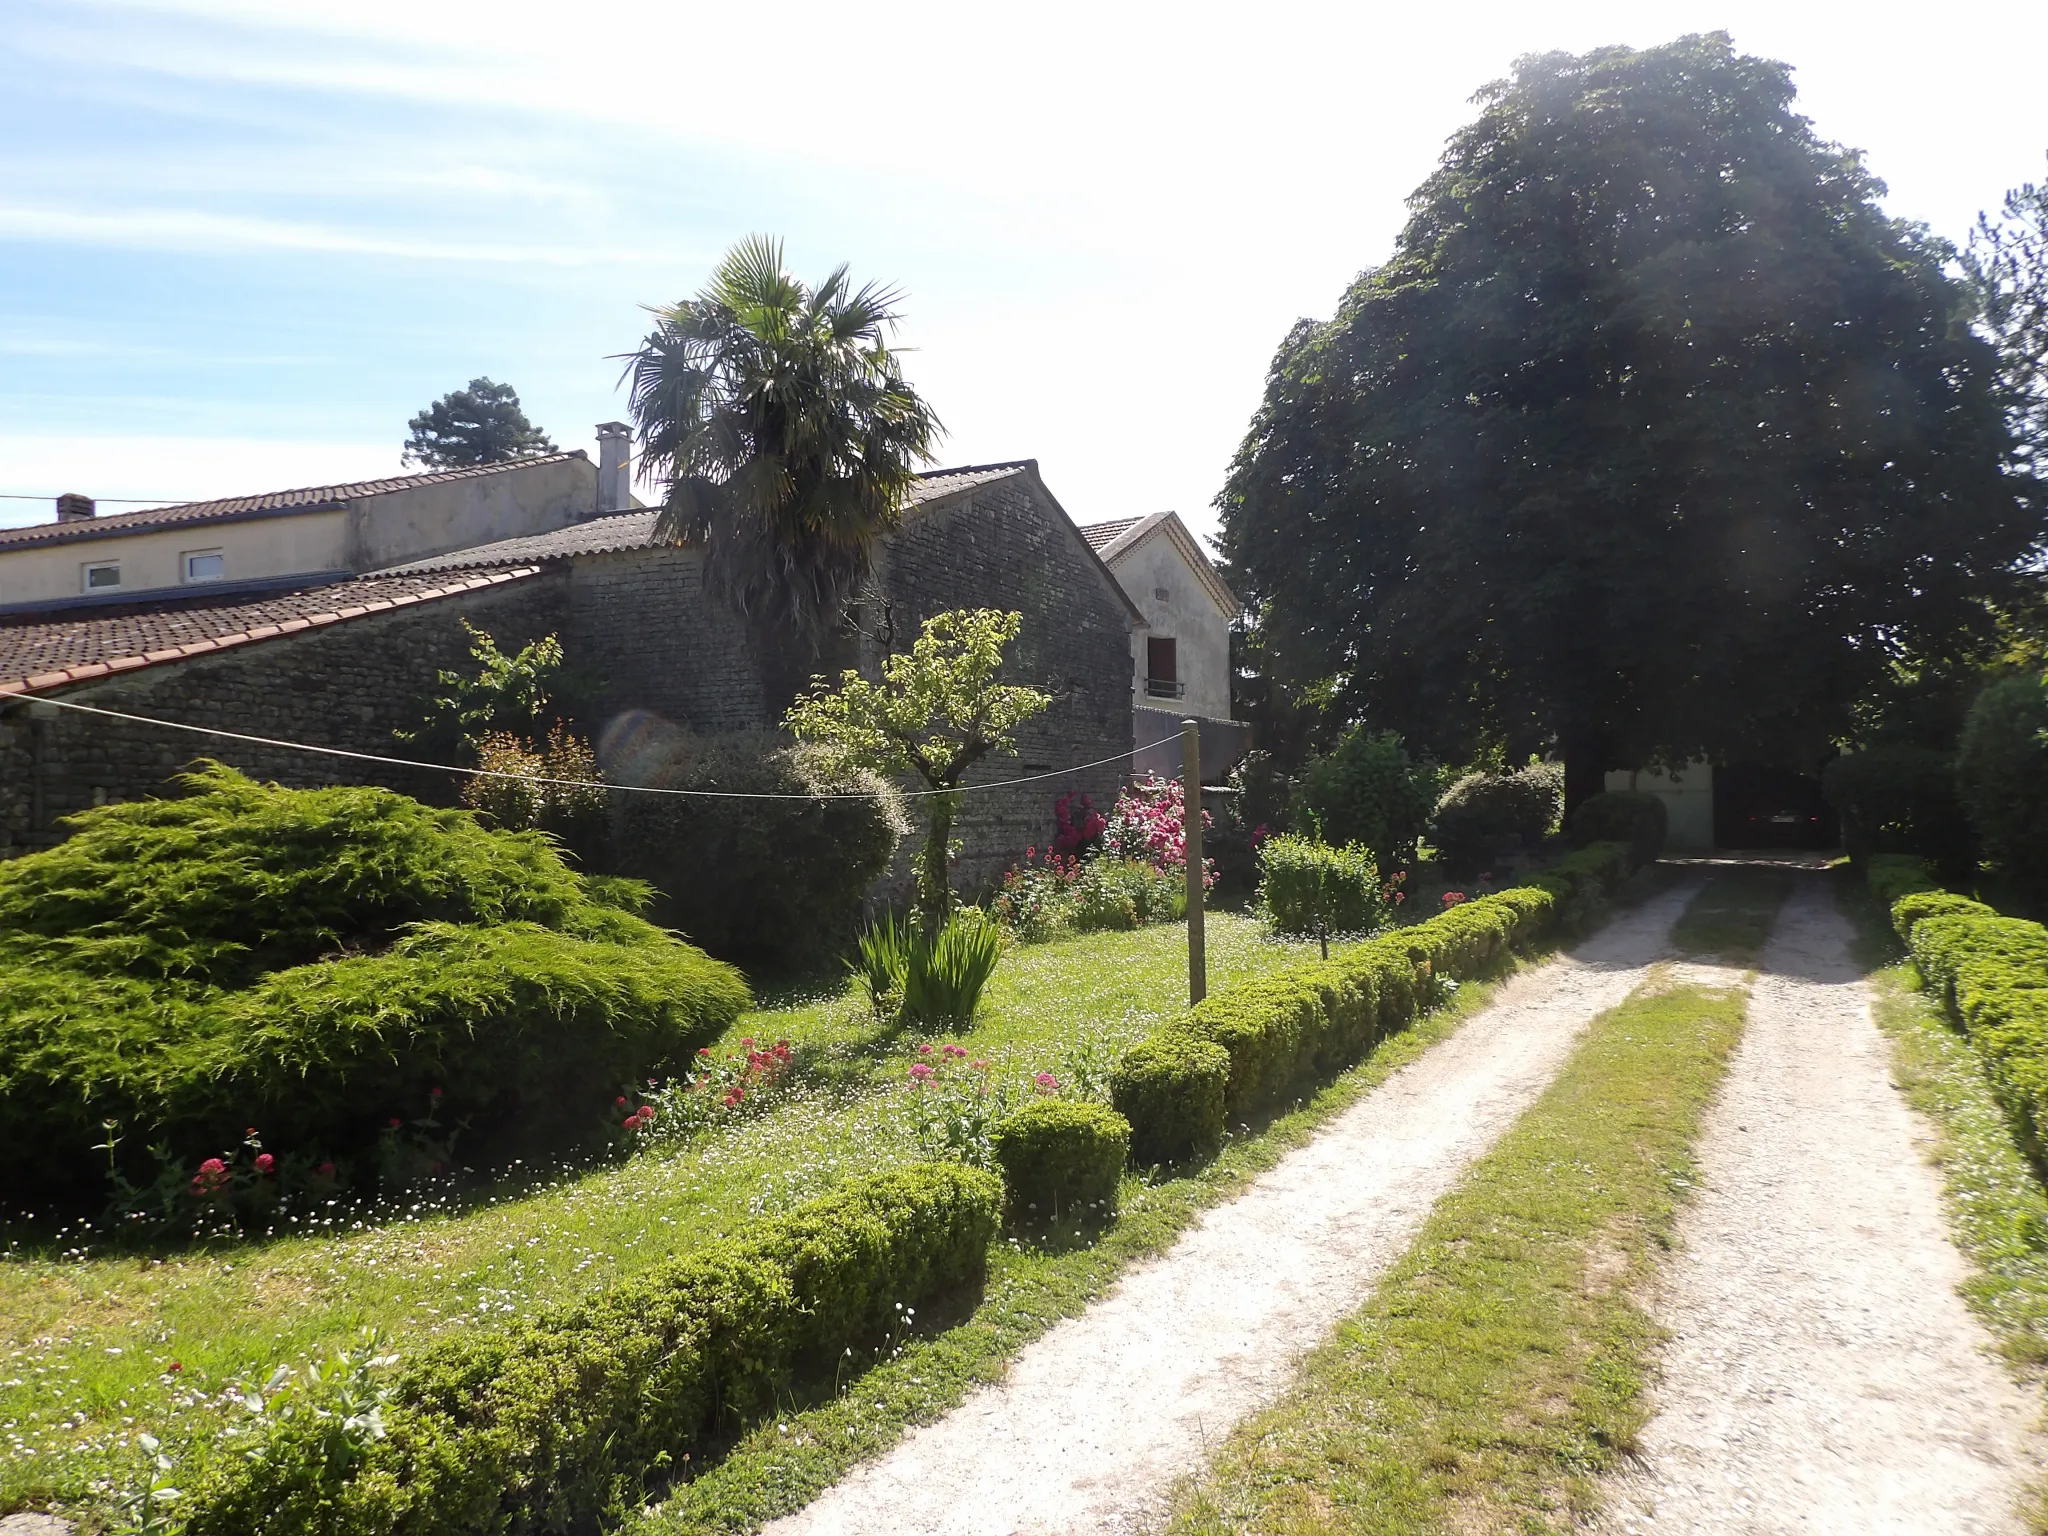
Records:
x=1007, y=545
x=352, y=686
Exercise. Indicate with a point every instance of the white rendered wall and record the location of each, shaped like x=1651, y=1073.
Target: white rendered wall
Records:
x=1188, y=616
x=1688, y=796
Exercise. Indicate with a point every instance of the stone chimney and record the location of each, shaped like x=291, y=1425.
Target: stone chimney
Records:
x=614, y=467
x=74, y=508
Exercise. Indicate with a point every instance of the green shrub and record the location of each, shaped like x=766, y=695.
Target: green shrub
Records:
x=1900, y=800
x=1244, y=1050
x=237, y=878
x=2002, y=775
x=1170, y=1088
x=1991, y=973
x=1629, y=816
x=943, y=977
x=211, y=984
x=1313, y=889
x=880, y=961
x=773, y=883
x=1581, y=880
x=1370, y=791
x=1893, y=875
x=1060, y=1157
x=1117, y=894
x=566, y=1422
x=1484, y=814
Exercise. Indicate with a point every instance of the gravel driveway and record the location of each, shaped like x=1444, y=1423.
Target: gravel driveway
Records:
x=1824, y=1374
x=1098, y=1417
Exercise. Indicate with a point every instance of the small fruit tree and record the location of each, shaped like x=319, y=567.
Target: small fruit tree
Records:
x=937, y=711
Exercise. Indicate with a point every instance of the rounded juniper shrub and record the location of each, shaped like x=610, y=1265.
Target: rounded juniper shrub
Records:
x=1062, y=1159
x=318, y=967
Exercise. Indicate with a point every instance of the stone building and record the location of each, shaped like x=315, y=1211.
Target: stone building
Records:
x=241, y=544
x=1180, y=660
x=347, y=663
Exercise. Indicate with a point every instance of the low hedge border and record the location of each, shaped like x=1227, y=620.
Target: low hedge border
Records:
x=566, y=1422
x=1244, y=1050
x=1990, y=972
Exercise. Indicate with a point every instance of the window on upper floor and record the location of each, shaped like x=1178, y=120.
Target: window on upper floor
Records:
x=1162, y=668
x=205, y=565
x=102, y=575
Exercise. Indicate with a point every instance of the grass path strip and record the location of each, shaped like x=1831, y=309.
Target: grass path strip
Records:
x=1501, y=1362
x=1095, y=1419
x=1823, y=1372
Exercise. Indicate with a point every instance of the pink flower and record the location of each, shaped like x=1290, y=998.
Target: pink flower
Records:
x=1453, y=898
x=922, y=1072
x=433, y=1093
x=632, y=1122
x=619, y=1102
x=647, y=1114
x=396, y=1123
x=954, y=1050
x=265, y=1162
x=325, y=1170
x=1046, y=1083
x=748, y=1043
x=703, y=1050
x=978, y=1066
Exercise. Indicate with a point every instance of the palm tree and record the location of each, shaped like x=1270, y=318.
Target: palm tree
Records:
x=776, y=419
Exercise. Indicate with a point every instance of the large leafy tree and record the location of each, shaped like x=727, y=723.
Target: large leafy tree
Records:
x=2007, y=265
x=1655, y=438
x=778, y=421
x=482, y=424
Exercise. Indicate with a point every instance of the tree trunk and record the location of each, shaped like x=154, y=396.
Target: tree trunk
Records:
x=934, y=887
x=1585, y=768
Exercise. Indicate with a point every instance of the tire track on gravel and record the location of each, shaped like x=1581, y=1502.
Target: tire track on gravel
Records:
x=1824, y=1374
x=1098, y=1417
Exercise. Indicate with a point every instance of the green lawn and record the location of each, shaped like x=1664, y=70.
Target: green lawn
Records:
x=1730, y=919
x=88, y=1340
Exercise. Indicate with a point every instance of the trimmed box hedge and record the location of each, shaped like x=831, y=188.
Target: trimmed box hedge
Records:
x=564, y=1423
x=1243, y=1051
x=1991, y=974
x=1060, y=1156
x=1893, y=875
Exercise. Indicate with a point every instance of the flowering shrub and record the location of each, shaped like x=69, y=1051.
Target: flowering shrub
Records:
x=955, y=1104
x=241, y=1190
x=1148, y=825
x=1036, y=901
x=715, y=1090
x=1080, y=825
x=1454, y=898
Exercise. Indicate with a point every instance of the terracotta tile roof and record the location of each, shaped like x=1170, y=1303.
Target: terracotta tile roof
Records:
x=312, y=498
x=38, y=652
x=635, y=530
x=1101, y=535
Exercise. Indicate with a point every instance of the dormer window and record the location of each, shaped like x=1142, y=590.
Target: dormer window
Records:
x=102, y=575
x=205, y=565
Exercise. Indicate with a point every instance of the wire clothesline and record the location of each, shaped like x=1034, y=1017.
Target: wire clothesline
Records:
x=533, y=778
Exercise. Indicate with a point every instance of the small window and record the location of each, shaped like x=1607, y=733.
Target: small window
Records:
x=103, y=576
x=205, y=565
x=1162, y=669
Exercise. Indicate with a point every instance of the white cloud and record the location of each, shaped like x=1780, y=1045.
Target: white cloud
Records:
x=185, y=229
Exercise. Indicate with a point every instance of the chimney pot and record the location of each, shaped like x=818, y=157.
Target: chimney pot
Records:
x=614, y=467
x=74, y=508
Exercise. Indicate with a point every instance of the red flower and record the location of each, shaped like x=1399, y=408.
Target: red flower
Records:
x=920, y=1072
x=632, y=1122
x=703, y=1050
x=265, y=1162
x=1046, y=1083
x=325, y=1170
x=396, y=1123
x=647, y=1114
x=433, y=1093
x=619, y=1102
x=175, y=1366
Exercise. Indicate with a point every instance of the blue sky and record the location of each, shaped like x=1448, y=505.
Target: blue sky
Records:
x=240, y=243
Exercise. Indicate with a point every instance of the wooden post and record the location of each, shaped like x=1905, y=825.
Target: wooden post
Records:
x=1191, y=825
